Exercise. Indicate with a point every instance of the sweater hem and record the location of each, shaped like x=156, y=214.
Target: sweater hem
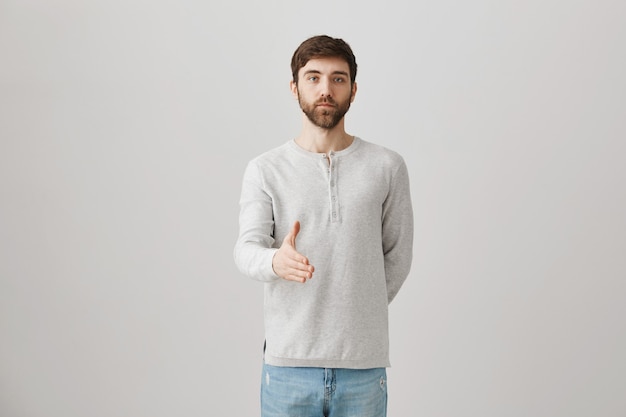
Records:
x=327, y=363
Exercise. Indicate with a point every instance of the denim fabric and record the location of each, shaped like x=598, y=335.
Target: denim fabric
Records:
x=323, y=392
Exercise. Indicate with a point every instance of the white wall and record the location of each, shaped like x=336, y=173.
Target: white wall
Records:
x=124, y=130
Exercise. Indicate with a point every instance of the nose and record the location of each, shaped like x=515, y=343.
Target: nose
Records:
x=324, y=86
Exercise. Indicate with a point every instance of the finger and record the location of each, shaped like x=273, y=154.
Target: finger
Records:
x=300, y=270
x=298, y=267
x=295, y=229
x=299, y=276
x=296, y=279
x=293, y=233
x=295, y=265
x=295, y=256
x=300, y=260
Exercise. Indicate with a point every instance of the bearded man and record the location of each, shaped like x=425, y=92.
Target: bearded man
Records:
x=326, y=223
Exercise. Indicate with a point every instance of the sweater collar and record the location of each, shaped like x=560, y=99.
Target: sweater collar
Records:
x=353, y=146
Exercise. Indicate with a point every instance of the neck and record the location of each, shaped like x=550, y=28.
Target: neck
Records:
x=319, y=140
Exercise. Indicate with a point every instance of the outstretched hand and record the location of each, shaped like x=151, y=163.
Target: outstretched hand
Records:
x=288, y=263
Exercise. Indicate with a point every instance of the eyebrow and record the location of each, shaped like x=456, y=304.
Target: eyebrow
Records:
x=314, y=71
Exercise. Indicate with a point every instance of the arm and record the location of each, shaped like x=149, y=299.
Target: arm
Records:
x=255, y=254
x=397, y=231
x=254, y=248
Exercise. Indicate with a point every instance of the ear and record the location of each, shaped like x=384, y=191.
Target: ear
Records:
x=293, y=86
x=353, y=92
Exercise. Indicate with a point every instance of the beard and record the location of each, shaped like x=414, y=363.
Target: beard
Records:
x=324, y=117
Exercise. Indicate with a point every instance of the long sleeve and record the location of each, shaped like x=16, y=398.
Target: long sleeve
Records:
x=254, y=248
x=397, y=231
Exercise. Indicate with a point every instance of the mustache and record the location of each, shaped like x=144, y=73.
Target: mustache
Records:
x=326, y=100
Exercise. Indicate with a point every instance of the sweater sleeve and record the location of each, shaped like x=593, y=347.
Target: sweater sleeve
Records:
x=254, y=249
x=397, y=231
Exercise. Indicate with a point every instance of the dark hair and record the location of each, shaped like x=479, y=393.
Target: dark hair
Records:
x=319, y=47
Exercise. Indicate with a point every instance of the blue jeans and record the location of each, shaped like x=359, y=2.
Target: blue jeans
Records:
x=323, y=392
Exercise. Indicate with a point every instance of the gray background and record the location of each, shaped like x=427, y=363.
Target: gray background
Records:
x=125, y=127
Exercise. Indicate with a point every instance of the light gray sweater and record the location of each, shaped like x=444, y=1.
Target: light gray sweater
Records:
x=357, y=231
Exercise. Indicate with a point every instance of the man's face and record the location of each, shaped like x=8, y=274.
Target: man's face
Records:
x=324, y=91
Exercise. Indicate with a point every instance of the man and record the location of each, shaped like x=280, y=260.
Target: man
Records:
x=326, y=223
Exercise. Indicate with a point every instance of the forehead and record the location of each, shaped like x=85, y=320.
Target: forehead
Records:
x=327, y=65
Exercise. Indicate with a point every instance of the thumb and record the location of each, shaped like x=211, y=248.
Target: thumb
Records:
x=291, y=237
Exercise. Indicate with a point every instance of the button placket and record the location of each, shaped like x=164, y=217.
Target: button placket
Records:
x=332, y=189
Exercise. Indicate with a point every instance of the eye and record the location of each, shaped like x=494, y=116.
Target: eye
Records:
x=340, y=80
x=312, y=78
